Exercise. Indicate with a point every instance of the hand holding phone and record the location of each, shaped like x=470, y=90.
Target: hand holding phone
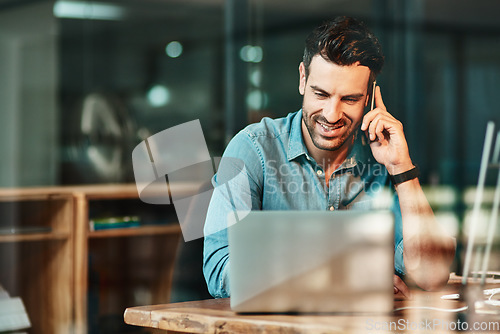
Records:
x=385, y=135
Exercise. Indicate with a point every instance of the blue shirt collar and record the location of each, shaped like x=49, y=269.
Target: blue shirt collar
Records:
x=360, y=153
x=296, y=145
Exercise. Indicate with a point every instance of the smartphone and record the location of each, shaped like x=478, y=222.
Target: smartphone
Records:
x=371, y=107
x=373, y=94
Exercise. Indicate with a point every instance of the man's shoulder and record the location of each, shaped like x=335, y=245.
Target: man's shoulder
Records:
x=267, y=137
x=270, y=127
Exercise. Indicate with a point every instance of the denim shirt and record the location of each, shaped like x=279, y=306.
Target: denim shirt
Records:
x=279, y=174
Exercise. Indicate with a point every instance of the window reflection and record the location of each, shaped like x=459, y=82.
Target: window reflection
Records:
x=83, y=82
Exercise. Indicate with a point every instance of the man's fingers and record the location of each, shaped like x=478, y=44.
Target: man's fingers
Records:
x=377, y=127
x=379, y=130
x=371, y=116
x=372, y=128
x=368, y=119
x=379, y=123
x=373, y=125
x=400, y=288
x=379, y=103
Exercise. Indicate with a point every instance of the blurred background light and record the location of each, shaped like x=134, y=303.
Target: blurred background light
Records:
x=87, y=10
x=469, y=196
x=256, y=77
x=257, y=99
x=158, y=96
x=174, y=49
x=251, y=54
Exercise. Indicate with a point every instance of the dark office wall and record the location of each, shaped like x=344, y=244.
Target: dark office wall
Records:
x=440, y=78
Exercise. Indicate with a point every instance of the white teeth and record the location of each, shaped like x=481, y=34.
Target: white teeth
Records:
x=328, y=128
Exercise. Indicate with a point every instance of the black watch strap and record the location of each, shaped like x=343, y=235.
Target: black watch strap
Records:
x=406, y=176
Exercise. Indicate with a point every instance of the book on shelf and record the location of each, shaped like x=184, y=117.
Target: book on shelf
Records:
x=114, y=222
x=13, y=315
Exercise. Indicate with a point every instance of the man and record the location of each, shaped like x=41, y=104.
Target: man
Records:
x=331, y=156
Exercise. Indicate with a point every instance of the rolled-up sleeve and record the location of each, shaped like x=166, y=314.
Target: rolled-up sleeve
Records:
x=235, y=189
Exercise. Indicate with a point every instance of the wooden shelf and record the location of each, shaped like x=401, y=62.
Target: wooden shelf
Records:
x=91, y=192
x=53, y=277
x=38, y=266
x=136, y=231
x=49, y=236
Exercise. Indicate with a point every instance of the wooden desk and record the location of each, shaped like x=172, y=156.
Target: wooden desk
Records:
x=215, y=316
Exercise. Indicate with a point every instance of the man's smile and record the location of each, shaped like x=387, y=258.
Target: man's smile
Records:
x=327, y=129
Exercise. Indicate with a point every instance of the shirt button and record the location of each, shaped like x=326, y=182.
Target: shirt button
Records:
x=319, y=172
x=332, y=208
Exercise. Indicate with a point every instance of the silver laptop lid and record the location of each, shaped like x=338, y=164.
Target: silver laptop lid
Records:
x=312, y=261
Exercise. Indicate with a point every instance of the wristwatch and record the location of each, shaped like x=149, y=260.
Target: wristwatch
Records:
x=406, y=176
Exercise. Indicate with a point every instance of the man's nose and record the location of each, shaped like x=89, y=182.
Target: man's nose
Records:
x=332, y=110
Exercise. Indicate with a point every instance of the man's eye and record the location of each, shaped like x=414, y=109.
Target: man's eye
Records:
x=318, y=94
x=350, y=100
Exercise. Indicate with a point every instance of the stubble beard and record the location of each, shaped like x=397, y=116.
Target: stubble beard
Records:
x=325, y=143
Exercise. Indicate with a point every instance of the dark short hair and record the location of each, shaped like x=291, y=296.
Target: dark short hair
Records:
x=344, y=41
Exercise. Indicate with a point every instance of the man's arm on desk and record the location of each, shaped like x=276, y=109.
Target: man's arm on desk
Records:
x=234, y=190
x=428, y=250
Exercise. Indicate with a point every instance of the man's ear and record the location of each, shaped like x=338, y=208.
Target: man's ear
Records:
x=302, y=78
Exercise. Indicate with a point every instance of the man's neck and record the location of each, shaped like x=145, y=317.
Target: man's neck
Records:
x=328, y=160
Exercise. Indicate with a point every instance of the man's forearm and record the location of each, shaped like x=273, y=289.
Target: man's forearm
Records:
x=428, y=250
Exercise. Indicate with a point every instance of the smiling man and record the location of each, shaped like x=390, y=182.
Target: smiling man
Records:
x=331, y=155
x=332, y=110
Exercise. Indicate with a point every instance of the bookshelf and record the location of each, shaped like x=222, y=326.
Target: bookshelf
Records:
x=71, y=278
x=37, y=266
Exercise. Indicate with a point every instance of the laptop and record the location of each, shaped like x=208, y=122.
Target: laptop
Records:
x=312, y=262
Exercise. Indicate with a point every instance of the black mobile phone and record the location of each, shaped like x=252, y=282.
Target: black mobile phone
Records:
x=372, y=104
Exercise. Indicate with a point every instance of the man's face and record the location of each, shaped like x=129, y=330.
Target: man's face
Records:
x=333, y=104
